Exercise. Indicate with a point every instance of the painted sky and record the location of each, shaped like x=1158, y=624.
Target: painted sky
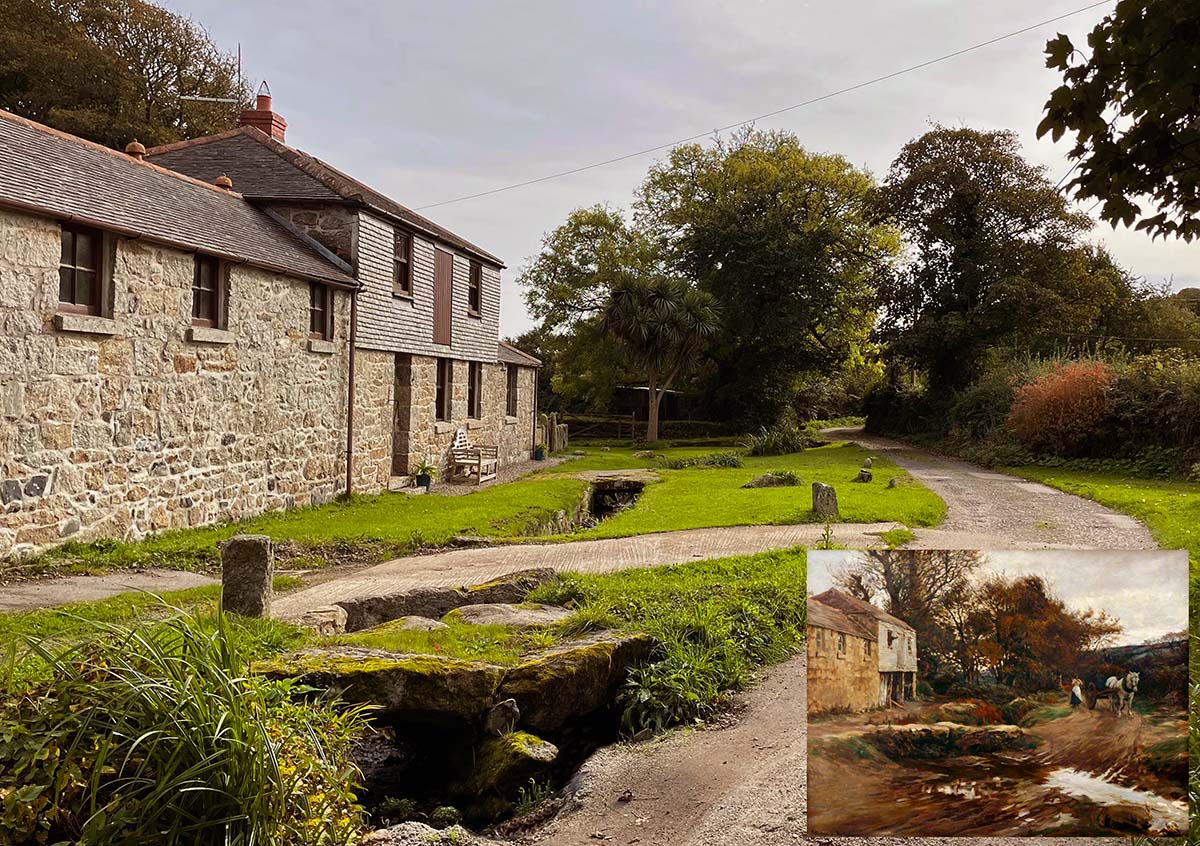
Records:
x=431, y=101
x=1147, y=590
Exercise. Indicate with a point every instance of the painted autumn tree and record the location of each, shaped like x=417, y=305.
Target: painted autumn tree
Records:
x=779, y=237
x=1133, y=104
x=662, y=326
x=114, y=70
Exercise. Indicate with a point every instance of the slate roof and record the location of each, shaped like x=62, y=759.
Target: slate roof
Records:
x=827, y=617
x=264, y=168
x=853, y=605
x=508, y=354
x=46, y=171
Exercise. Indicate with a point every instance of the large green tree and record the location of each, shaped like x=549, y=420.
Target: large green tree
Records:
x=994, y=257
x=567, y=286
x=662, y=325
x=114, y=70
x=1133, y=105
x=780, y=238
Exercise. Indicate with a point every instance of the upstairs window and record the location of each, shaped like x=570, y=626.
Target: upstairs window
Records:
x=402, y=271
x=475, y=289
x=208, y=293
x=445, y=384
x=320, y=311
x=80, y=270
x=510, y=399
x=474, y=390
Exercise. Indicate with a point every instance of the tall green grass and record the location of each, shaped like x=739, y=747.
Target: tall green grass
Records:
x=158, y=735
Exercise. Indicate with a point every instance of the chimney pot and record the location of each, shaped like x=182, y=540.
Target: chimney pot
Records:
x=224, y=181
x=262, y=117
x=135, y=149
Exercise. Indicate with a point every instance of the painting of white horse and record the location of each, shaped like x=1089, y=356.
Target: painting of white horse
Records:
x=1125, y=686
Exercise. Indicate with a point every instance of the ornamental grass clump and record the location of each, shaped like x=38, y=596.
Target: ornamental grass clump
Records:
x=159, y=735
x=780, y=439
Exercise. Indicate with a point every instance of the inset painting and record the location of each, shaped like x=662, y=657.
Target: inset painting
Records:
x=969, y=693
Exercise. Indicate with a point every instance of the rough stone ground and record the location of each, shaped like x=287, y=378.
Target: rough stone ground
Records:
x=43, y=594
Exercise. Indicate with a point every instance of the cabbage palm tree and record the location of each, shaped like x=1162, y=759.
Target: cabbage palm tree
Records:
x=662, y=325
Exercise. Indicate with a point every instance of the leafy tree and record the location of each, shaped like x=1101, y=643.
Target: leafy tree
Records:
x=567, y=286
x=994, y=256
x=114, y=70
x=662, y=325
x=1134, y=109
x=780, y=238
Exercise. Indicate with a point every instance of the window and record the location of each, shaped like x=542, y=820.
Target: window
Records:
x=80, y=270
x=444, y=384
x=868, y=652
x=402, y=279
x=475, y=289
x=841, y=644
x=891, y=638
x=320, y=311
x=510, y=402
x=208, y=293
x=474, y=390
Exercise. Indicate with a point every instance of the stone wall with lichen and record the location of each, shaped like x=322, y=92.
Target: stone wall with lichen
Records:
x=140, y=429
x=334, y=227
x=843, y=671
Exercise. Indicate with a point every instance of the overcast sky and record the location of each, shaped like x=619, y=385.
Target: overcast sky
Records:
x=1147, y=590
x=430, y=101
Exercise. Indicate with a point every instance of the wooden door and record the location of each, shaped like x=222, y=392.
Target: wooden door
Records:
x=443, y=296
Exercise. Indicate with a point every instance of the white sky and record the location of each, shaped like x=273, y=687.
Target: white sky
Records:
x=1147, y=590
x=429, y=101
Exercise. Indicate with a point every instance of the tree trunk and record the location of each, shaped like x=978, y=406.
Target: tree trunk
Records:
x=654, y=394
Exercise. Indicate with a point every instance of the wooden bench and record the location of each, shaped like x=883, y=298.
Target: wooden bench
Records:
x=467, y=459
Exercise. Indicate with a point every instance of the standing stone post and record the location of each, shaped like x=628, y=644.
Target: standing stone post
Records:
x=824, y=501
x=247, y=568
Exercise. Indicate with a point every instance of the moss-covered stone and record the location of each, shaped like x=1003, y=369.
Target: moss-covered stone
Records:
x=395, y=683
x=504, y=764
x=574, y=679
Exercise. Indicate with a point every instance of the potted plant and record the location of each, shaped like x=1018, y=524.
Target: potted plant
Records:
x=424, y=471
x=539, y=452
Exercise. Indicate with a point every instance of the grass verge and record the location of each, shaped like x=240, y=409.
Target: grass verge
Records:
x=714, y=622
x=365, y=529
x=700, y=497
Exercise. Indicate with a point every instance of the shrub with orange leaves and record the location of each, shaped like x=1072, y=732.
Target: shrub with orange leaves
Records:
x=1062, y=410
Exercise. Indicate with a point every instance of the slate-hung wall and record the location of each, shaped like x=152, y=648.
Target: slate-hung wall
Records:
x=399, y=324
x=140, y=429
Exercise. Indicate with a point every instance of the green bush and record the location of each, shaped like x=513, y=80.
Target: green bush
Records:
x=714, y=459
x=714, y=621
x=780, y=439
x=159, y=735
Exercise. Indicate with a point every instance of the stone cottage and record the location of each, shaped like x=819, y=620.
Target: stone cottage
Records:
x=181, y=345
x=896, y=645
x=843, y=664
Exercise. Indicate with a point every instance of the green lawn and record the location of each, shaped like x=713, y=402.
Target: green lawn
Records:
x=1170, y=510
x=699, y=497
x=364, y=529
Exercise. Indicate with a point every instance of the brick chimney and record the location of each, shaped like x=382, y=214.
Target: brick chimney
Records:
x=261, y=116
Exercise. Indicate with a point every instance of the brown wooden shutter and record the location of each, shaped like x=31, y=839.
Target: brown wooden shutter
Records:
x=443, y=296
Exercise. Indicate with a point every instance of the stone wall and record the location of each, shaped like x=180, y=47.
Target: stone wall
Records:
x=374, y=382
x=841, y=679
x=140, y=429
x=332, y=226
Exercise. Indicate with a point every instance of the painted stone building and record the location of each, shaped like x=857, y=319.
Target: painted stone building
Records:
x=176, y=350
x=843, y=663
x=896, y=645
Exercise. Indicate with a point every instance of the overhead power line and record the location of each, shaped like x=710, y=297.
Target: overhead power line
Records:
x=756, y=118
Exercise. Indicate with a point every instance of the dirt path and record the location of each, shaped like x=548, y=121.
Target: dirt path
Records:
x=985, y=507
x=743, y=785
x=467, y=566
